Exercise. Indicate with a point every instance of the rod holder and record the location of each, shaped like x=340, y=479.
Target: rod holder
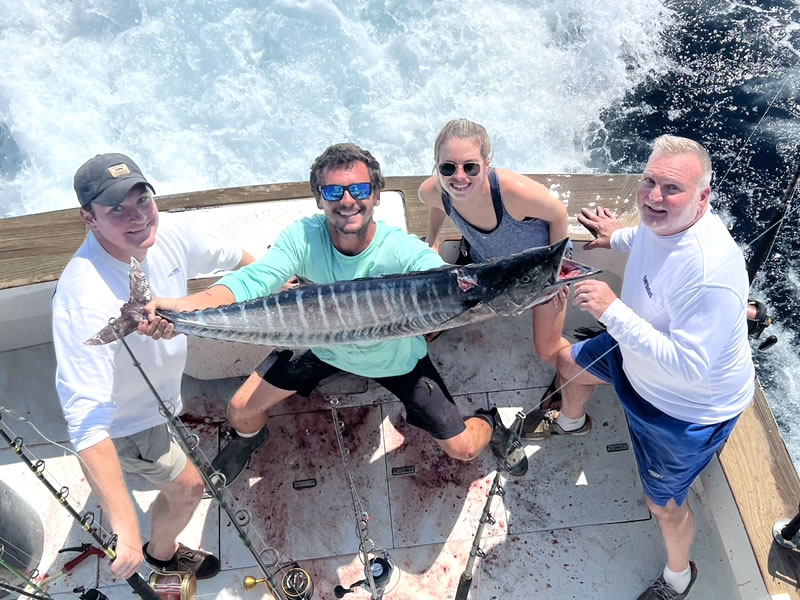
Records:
x=784, y=531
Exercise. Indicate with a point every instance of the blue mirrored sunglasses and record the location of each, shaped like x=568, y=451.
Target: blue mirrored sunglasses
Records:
x=334, y=193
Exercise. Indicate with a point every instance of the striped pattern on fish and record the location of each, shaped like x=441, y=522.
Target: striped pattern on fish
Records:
x=380, y=308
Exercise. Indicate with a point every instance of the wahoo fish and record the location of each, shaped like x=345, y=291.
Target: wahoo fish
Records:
x=372, y=308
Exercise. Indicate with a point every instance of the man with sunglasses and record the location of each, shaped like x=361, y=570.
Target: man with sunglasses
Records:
x=344, y=243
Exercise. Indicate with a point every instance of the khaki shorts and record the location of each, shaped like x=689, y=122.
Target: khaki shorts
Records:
x=152, y=453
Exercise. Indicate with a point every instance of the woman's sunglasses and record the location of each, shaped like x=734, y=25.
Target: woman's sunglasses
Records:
x=448, y=169
x=334, y=193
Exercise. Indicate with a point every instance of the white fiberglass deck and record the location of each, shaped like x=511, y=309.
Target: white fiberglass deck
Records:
x=575, y=527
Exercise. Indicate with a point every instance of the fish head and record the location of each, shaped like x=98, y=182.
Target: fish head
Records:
x=531, y=277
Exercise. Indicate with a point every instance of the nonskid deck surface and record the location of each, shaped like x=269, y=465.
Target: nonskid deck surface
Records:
x=575, y=527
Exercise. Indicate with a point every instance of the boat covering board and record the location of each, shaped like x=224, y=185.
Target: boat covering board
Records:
x=35, y=248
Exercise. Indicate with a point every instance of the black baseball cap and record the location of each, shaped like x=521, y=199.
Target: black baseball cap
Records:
x=106, y=179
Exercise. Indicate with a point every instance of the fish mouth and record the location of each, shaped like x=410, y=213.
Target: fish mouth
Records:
x=571, y=271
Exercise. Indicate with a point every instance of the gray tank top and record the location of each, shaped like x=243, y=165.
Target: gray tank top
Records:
x=508, y=237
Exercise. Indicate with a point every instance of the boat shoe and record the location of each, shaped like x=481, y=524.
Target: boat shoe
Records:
x=661, y=590
x=202, y=564
x=232, y=458
x=505, y=446
x=540, y=425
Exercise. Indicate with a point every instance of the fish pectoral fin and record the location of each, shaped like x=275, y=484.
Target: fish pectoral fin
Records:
x=303, y=280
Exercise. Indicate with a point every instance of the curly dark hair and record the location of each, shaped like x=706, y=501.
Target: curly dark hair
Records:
x=341, y=156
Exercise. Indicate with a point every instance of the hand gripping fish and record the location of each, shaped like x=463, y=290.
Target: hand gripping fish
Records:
x=372, y=308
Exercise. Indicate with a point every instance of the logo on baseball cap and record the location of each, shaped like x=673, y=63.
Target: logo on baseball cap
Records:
x=106, y=179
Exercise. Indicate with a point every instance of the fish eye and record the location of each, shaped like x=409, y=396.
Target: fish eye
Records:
x=525, y=279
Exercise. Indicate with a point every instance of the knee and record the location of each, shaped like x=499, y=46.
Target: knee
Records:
x=564, y=362
x=192, y=487
x=465, y=454
x=460, y=450
x=670, y=511
x=546, y=352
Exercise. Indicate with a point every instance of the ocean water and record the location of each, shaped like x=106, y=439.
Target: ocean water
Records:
x=238, y=92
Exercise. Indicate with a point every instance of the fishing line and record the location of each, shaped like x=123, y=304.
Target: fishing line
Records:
x=362, y=518
x=86, y=521
x=214, y=480
x=22, y=576
x=4, y=543
x=757, y=125
x=50, y=473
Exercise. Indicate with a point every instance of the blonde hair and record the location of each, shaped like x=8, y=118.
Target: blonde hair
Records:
x=673, y=144
x=464, y=129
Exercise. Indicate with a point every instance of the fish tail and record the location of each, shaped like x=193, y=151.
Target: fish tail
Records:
x=131, y=312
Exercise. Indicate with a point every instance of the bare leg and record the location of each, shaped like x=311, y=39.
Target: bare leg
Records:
x=247, y=411
x=469, y=443
x=548, y=323
x=576, y=393
x=172, y=509
x=677, y=525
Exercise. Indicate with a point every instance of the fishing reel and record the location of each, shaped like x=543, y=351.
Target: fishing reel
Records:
x=296, y=583
x=381, y=568
x=757, y=321
x=91, y=594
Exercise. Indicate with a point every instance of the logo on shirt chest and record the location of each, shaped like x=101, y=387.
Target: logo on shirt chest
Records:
x=647, y=286
x=174, y=271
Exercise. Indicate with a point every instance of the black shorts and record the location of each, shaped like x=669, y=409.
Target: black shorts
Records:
x=428, y=404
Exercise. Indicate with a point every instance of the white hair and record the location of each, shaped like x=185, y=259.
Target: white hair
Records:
x=672, y=144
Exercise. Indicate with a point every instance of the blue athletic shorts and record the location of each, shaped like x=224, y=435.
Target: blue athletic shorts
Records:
x=670, y=452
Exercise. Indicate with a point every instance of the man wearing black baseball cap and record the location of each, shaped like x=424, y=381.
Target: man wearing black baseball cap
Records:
x=112, y=417
x=106, y=179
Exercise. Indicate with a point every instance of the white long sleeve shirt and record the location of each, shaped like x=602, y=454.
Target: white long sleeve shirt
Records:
x=102, y=394
x=681, y=321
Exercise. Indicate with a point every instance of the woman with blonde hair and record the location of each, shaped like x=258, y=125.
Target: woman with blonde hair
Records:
x=498, y=211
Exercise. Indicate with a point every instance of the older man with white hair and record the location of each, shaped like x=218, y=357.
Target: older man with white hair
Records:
x=676, y=346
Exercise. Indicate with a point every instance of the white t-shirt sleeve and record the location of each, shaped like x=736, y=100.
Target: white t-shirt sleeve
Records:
x=699, y=318
x=84, y=376
x=206, y=253
x=622, y=239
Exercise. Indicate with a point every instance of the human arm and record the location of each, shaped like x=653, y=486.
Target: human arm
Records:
x=84, y=383
x=257, y=278
x=247, y=259
x=431, y=196
x=526, y=198
x=102, y=468
x=700, y=321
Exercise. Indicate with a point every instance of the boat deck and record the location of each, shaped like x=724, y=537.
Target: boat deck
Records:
x=575, y=527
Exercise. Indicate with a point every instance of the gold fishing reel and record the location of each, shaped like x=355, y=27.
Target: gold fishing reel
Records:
x=296, y=583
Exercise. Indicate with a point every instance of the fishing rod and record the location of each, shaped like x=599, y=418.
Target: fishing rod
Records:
x=761, y=320
x=215, y=483
x=465, y=581
x=372, y=570
x=86, y=521
x=5, y=585
x=28, y=578
x=761, y=254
